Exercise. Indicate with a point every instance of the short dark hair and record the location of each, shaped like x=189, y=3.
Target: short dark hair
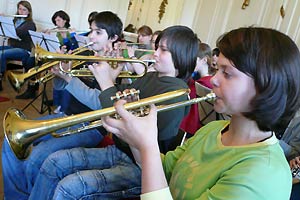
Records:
x=110, y=22
x=183, y=44
x=92, y=16
x=272, y=59
x=62, y=14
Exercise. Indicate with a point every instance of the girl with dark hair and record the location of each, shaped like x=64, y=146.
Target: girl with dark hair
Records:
x=258, y=84
x=67, y=40
x=64, y=33
x=19, y=49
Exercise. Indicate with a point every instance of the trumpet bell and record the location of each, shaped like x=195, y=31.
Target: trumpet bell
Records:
x=19, y=144
x=15, y=81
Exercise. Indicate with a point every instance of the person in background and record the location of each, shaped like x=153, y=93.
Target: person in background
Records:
x=130, y=28
x=68, y=42
x=236, y=159
x=19, y=49
x=144, y=40
x=203, y=70
x=215, y=55
x=138, y=68
x=154, y=45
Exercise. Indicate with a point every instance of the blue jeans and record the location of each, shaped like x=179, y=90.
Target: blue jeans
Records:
x=61, y=98
x=295, y=195
x=82, y=173
x=19, y=175
x=10, y=53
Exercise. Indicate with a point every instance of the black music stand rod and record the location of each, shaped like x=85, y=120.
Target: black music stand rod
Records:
x=50, y=43
x=45, y=102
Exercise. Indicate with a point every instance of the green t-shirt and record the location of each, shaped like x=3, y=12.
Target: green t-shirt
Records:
x=203, y=168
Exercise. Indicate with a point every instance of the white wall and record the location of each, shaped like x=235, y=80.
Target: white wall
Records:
x=77, y=9
x=208, y=18
x=211, y=18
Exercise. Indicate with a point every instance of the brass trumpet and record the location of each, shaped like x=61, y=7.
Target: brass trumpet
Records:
x=42, y=55
x=18, y=80
x=21, y=132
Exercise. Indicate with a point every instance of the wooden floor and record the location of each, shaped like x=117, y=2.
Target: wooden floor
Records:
x=30, y=111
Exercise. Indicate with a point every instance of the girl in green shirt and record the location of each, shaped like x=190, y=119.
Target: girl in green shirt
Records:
x=258, y=84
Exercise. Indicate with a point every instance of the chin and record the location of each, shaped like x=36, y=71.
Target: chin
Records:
x=219, y=108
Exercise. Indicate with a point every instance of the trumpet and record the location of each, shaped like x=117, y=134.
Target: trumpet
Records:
x=20, y=132
x=18, y=80
x=42, y=55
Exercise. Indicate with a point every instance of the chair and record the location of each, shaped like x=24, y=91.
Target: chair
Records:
x=205, y=108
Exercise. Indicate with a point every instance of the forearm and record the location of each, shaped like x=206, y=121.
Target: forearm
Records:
x=86, y=95
x=152, y=165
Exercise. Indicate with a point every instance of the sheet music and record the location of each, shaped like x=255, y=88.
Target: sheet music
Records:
x=7, y=28
x=46, y=41
x=82, y=40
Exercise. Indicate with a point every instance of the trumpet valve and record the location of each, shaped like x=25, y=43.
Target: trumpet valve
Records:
x=125, y=94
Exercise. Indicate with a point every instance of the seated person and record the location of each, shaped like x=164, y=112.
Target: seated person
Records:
x=236, y=159
x=19, y=49
x=19, y=175
x=99, y=172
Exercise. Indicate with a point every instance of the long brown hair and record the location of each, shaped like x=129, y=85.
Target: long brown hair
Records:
x=27, y=5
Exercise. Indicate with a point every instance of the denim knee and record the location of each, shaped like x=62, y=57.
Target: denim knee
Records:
x=80, y=186
x=99, y=184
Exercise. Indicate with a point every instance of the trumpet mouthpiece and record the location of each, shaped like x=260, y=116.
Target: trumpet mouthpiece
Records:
x=89, y=44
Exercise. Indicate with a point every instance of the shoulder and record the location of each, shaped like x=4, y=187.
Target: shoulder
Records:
x=30, y=24
x=214, y=126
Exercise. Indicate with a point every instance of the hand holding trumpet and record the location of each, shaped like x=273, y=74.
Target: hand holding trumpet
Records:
x=105, y=74
x=138, y=132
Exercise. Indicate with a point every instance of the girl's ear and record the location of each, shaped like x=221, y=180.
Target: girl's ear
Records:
x=114, y=38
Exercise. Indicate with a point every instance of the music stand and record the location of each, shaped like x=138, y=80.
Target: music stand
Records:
x=7, y=30
x=50, y=43
x=46, y=41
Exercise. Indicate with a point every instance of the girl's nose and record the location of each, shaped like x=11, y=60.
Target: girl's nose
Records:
x=214, y=80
